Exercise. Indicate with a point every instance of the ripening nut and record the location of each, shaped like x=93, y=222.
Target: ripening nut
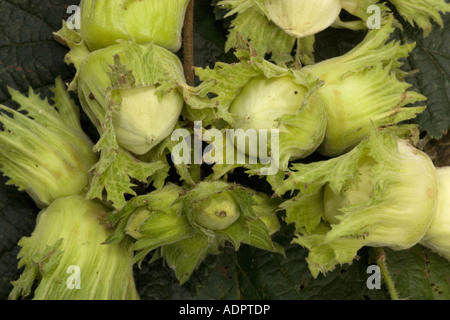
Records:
x=218, y=212
x=138, y=82
x=145, y=119
x=383, y=193
x=281, y=104
x=183, y=226
x=302, y=18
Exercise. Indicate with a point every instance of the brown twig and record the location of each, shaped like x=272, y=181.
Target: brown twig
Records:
x=188, y=44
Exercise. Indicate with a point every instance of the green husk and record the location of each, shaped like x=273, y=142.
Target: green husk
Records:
x=363, y=87
x=157, y=21
x=67, y=257
x=44, y=149
x=437, y=235
x=179, y=223
x=383, y=193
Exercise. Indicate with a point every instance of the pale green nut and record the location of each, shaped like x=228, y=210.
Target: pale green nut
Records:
x=383, y=193
x=279, y=104
x=218, y=212
x=401, y=218
x=263, y=101
x=139, y=129
x=302, y=18
x=129, y=78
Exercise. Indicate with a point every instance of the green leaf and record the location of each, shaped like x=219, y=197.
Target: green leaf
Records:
x=29, y=55
x=419, y=274
x=265, y=276
x=216, y=279
x=17, y=218
x=430, y=63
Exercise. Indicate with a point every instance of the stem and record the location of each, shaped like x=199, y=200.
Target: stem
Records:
x=381, y=262
x=423, y=142
x=188, y=44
